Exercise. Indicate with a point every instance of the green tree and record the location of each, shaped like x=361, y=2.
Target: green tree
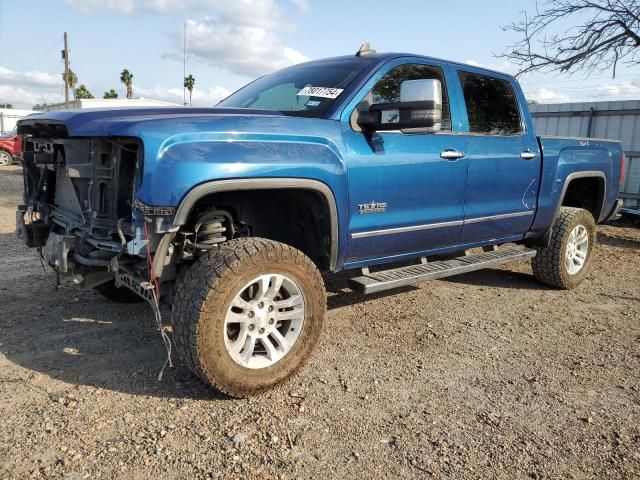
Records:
x=70, y=79
x=82, y=92
x=126, y=77
x=7, y=105
x=110, y=94
x=189, y=83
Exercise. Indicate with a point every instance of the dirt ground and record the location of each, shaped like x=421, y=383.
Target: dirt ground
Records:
x=484, y=375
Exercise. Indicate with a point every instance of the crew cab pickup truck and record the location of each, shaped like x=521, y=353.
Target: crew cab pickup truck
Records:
x=229, y=215
x=10, y=148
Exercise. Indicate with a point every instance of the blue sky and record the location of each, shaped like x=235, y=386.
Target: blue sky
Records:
x=231, y=42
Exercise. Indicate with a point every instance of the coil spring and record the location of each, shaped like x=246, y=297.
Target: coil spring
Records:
x=211, y=229
x=211, y=232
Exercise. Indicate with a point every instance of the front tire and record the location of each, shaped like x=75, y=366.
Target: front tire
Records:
x=565, y=262
x=247, y=315
x=6, y=158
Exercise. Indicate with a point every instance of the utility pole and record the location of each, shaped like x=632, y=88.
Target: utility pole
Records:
x=65, y=56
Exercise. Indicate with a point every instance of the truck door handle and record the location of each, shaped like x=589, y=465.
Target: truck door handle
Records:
x=451, y=154
x=528, y=155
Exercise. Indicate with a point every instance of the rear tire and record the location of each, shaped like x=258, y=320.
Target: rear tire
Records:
x=115, y=294
x=247, y=315
x=565, y=262
x=6, y=159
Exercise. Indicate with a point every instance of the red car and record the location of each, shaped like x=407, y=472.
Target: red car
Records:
x=10, y=148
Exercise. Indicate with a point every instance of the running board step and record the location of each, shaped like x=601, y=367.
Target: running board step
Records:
x=399, y=277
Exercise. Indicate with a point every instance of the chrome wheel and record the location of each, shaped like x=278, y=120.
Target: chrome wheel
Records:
x=264, y=321
x=577, y=249
x=5, y=159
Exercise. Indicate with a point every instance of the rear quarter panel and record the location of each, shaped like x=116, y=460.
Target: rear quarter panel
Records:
x=563, y=157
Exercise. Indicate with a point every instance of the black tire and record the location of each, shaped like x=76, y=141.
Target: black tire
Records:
x=6, y=159
x=204, y=295
x=115, y=294
x=549, y=263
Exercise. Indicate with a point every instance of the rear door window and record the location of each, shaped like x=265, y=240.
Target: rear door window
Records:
x=492, y=106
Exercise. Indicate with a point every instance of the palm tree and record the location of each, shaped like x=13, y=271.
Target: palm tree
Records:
x=110, y=94
x=126, y=77
x=82, y=92
x=189, y=82
x=71, y=80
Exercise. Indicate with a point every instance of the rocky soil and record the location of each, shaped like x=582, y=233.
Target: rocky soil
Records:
x=485, y=375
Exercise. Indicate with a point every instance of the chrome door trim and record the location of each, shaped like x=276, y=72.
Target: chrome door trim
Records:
x=411, y=228
x=500, y=216
x=430, y=226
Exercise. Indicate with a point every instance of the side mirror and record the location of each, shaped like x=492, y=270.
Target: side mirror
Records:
x=419, y=109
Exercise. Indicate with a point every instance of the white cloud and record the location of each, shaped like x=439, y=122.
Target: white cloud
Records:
x=621, y=89
x=202, y=97
x=241, y=36
x=26, y=98
x=544, y=95
x=31, y=79
x=264, y=13
x=88, y=6
x=303, y=5
x=242, y=49
x=24, y=89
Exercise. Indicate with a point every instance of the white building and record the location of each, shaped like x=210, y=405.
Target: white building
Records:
x=9, y=117
x=106, y=103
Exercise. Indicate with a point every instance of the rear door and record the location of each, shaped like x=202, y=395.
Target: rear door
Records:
x=504, y=160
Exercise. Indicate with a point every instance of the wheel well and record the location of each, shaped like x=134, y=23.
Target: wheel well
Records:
x=586, y=193
x=297, y=217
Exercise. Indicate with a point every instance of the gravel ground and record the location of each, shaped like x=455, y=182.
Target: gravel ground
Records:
x=485, y=375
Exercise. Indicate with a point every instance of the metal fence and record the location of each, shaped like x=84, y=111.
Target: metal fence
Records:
x=611, y=120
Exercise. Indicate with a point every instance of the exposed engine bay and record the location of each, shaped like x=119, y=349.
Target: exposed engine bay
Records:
x=79, y=211
x=78, y=196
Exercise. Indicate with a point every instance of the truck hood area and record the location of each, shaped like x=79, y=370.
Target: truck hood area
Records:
x=120, y=121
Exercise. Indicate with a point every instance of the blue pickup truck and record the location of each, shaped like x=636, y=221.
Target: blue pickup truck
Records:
x=399, y=167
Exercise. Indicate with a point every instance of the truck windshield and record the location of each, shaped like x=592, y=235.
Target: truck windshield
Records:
x=307, y=90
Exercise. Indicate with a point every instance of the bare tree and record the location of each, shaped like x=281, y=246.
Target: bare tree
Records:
x=574, y=35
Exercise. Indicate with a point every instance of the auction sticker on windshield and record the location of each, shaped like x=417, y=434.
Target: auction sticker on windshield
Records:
x=324, y=92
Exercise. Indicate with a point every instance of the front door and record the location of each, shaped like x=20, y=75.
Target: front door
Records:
x=404, y=196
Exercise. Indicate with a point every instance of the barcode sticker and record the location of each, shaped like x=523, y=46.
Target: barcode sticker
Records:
x=323, y=92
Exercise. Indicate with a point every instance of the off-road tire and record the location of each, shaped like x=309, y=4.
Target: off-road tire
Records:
x=202, y=299
x=6, y=159
x=548, y=264
x=115, y=294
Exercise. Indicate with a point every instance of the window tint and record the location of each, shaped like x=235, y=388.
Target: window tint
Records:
x=492, y=107
x=387, y=90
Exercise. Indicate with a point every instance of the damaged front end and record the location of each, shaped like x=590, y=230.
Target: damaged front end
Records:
x=79, y=208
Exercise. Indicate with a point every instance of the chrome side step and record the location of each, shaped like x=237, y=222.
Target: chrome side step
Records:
x=371, y=282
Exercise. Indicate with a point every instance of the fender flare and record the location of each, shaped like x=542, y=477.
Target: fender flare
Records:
x=542, y=241
x=216, y=186
x=585, y=174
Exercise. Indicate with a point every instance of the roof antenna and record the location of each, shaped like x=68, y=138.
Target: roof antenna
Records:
x=365, y=49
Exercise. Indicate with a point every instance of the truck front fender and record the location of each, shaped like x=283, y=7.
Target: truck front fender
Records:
x=217, y=186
